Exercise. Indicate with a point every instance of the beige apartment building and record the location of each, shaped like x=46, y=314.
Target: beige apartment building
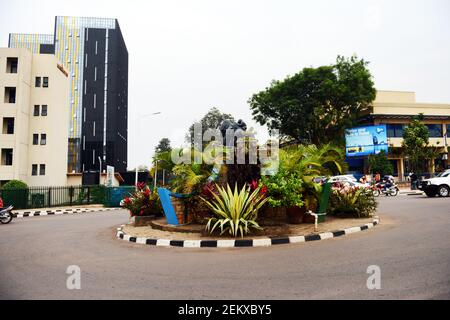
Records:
x=396, y=109
x=34, y=117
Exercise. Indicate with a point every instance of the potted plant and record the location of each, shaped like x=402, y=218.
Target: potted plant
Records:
x=284, y=191
x=143, y=205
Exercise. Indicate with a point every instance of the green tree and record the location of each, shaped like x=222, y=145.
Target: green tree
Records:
x=211, y=120
x=317, y=105
x=379, y=163
x=163, y=146
x=416, y=139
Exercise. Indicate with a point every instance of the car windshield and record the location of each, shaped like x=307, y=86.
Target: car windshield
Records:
x=443, y=174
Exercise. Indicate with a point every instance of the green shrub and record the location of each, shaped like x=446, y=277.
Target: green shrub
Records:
x=283, y=189
x=15, y=192
x=15, y=185
x=98, y=194
x=358, y=202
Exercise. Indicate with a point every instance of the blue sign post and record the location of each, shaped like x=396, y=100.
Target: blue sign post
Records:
x=364, y=141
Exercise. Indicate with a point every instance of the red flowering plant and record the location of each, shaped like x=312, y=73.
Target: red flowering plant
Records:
x=143, y=202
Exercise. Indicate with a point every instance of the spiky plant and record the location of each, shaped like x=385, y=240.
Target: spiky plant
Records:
x=236, y=211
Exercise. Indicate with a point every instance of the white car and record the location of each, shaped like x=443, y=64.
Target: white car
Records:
x=440, y=185
x=348, y=179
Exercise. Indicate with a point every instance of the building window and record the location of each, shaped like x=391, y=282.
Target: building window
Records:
x=37, y=82
x=8, y=125
x=11, y=65
x=36, y=110
x=10, y=95
x=35, y=139
x=93, y=129
x=44, y=110
x=95, y=101
x=95, y=74
x=45, y=82
x=395, y=130
x=42, y=170
x=34, y=170
x=435, y=130
x=448, y=130
x=43, y=139
x=96, y=47
x=7, y=157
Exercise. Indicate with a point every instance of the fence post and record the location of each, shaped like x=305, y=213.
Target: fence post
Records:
x=88, y=195
x=71, y=189
x=49, y=197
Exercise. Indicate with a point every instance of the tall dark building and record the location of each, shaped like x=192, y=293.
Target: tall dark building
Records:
x=95, y=53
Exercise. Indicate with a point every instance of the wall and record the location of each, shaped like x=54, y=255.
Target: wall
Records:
x=55, y=124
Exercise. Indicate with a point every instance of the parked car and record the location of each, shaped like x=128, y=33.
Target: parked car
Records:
x=348, y=179
x=439, y=185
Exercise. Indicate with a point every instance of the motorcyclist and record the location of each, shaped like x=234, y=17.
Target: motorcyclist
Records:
x=388, y=182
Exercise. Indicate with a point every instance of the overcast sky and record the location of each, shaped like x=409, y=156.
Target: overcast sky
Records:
x=187, y=56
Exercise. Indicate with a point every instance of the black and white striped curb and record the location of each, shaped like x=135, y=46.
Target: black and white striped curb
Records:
x=264, y=242
x=58, y=212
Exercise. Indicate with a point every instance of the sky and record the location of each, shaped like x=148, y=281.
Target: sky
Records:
x=188, y=56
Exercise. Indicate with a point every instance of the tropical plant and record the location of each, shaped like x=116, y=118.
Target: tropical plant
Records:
x=307, y=162
x=358, y=202
x=236, y=211
x=190, y=178
x=143, y=202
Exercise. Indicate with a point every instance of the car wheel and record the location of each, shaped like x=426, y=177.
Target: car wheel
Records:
x=430, y=194
x=444, y=191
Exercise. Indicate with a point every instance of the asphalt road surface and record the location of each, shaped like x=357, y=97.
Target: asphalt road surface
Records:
x=411, y=247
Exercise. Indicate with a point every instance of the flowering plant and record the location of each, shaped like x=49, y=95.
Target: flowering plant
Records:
x=143, y=202
x=352, y=200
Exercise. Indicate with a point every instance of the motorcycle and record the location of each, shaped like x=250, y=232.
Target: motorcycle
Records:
x=379, y=189
x=6, y=215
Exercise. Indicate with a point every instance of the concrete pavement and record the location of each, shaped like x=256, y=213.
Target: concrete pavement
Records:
x=411, y=246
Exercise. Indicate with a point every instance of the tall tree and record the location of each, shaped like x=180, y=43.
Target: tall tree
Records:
x=211, y=120
x=379, y=163
x=163, y=146
x=317, y=105
x=416, y=139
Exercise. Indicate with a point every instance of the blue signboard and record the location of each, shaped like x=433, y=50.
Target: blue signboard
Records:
x=365, y=141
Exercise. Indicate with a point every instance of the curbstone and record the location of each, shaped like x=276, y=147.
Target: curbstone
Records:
x=245, y=243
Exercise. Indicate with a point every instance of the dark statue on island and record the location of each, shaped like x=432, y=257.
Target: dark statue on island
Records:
x=242, y=174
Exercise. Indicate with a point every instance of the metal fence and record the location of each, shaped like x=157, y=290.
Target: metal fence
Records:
x=46, y=197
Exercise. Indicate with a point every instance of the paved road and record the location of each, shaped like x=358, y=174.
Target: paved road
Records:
x=411, y=246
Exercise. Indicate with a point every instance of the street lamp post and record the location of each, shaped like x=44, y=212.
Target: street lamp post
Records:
x=100, y=171
x=138, y=121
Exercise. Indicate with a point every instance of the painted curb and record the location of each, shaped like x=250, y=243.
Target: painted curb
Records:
x=244, y=243
x=28, y=214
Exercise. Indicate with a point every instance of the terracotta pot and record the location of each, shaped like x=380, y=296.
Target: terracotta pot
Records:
x=143, y=221
x=273, y=214
x=180, y=211
x=295, y=214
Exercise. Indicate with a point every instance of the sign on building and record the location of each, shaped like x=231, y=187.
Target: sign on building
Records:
x=364, y=141
x=109, y=176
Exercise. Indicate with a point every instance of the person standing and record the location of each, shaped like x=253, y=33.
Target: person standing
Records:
x=414, y=179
